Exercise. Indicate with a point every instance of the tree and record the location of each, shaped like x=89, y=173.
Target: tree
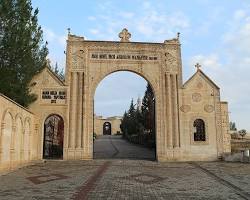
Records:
x=148, y=109
x=242, y=133
x=22, y=50
x=138, y=125
x=232, y=126
x=56, y=69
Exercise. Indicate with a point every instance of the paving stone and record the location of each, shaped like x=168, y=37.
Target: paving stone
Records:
x=124, y=179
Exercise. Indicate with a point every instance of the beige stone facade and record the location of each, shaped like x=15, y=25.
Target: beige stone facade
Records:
x=178, y=105
x=115, y=123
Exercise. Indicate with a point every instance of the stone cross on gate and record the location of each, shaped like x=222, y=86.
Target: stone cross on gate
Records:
x=198, y=66
x=124, y=35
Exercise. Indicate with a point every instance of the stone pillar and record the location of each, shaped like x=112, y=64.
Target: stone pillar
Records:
x=80, y=118
x=36, y=143
x=84, y=112
x=169, y=112
x=175, y=111
x=12, y=146
x=22, y=145
x=73, y=110
x=164, y=111
x=1, y=133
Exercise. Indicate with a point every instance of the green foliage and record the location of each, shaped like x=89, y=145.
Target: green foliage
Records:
x=59, y=74
x=242, y=133
x=148, y=109
x=139, y=125
x=22, y=51
x=232, y=126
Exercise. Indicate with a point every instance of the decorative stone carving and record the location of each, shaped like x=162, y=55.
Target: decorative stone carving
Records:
x=124, y=35
x=170, y=60
x=196, y=97
x=185, y=108
x=209, y=108
x=77, y=58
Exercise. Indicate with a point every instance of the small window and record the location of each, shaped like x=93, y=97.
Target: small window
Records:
x=200, y=133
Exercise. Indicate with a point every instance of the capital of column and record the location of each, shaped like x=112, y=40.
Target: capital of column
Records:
x=2, y=125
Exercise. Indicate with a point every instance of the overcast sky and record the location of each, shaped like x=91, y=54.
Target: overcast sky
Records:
x=214, y=33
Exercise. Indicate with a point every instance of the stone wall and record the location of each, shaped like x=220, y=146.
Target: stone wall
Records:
x=225, y=128
x=18, y=135
x=115, y=124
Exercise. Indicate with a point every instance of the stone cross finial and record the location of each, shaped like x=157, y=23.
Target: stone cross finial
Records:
x=124, y=35
x=178, y=35
x=68, y=30
x=198, y=66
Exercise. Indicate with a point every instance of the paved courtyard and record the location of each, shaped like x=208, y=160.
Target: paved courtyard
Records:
x=114, y=147
x=115, y=177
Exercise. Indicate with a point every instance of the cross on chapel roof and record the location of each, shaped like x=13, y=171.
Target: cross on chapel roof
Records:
x=124, y=35
x=198, y=66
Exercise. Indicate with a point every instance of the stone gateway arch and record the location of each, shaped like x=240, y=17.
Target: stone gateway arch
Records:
x=191, y=121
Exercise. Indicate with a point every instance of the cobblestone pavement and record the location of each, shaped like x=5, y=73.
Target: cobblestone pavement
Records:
x=127, y=179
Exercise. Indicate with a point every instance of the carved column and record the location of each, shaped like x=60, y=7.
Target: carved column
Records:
x=1, y=139
x=164, y=114
x=169, y=112
x=13, y=133
x=80, y=118
x=73, y=111
x=175, y=111
x=12, y=144
x=22, y=145
x=83, y=112
x=36, y=142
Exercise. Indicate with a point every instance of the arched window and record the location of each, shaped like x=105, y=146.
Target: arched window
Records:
x=200, y=132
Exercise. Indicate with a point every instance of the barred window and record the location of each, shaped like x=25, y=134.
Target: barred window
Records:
x=200, y=133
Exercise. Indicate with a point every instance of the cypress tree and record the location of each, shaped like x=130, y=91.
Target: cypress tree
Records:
x=148, y=105
x=22, y=50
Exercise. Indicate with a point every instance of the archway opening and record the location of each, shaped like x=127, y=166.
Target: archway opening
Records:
x=124, y=118
x=53, y=137
x=107, y=128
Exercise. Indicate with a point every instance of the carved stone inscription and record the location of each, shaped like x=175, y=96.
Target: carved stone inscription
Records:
x=54, y=96
x=113, y=56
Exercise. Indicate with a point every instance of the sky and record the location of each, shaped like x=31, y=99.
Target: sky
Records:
x=214, y=33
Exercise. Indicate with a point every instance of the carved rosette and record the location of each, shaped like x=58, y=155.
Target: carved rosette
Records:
x=196, y=97
x=185, y=108
x=209, y=108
